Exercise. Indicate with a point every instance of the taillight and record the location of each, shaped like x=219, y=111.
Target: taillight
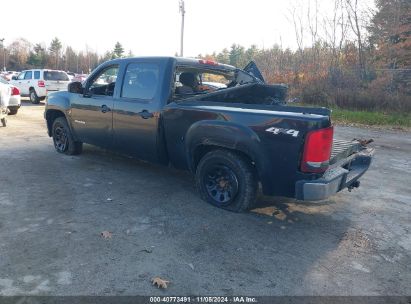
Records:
x=15, y=91
x=41, y=84
x=317, y=150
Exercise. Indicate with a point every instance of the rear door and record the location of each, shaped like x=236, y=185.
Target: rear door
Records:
x=91, y=112
x=56, y=80
x=136, y=110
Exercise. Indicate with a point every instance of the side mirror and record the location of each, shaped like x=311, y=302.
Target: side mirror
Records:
x=75, y=87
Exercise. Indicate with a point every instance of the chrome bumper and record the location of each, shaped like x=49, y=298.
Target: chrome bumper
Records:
x=344, y=174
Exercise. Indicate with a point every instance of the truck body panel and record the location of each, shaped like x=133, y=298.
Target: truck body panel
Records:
x=248, y=117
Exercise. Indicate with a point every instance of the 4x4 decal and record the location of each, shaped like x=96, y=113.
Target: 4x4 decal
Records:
x=276, y=131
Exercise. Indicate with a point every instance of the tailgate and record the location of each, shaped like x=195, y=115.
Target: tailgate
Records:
x=342, y=149
x=56, y=85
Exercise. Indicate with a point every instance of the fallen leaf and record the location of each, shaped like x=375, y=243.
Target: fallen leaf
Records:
x=270, y=223
x=191, y=266
x=266, y=211
x=271, y=211
x=148, y=250
x=109, y=199
x=280, y=215
x=107, y=234
x=161, y=283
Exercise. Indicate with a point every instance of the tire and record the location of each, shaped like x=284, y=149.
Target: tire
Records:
x=227, y=180
x=4, y=122
x=63, y=139
x=33, y=97
x=13, y=111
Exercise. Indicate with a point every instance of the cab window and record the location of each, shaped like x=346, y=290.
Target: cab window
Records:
x=104, y=82
x=21, y=76
x=140, y=81
x=28, y=75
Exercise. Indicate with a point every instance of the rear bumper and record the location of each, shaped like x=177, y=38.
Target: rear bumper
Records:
x=344, y=174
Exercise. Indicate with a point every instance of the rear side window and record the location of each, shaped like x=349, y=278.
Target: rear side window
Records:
x=140, y=81
x=55, y=75
x=36, y=74
x=28, y=75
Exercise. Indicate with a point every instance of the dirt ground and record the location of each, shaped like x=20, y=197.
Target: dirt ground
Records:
x=54, y=207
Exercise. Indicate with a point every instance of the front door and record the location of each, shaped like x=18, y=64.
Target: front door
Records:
x=136, y=111
x=21, y=84
x=91, y=112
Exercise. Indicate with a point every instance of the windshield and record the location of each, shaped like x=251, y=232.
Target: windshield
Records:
x=55, y=75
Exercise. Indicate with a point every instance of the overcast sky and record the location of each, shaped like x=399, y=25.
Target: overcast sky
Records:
x=152, y=27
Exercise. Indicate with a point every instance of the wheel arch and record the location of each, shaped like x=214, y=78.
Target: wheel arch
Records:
x=205, y=136
x=51, y=115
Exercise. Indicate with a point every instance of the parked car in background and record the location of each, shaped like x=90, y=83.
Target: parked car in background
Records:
x=15, y=98
x=37, y=83
x=8, y=75
x=71, y=75
x=5, y=92
x=79, y=78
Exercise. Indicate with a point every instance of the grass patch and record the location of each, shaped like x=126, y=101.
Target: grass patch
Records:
x=371, y=118
x=401, y=120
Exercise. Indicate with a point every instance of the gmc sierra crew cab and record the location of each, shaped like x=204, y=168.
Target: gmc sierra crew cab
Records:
x=227, y=126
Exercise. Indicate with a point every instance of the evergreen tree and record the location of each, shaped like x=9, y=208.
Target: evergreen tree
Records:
x=55, y=48
x=118, y=51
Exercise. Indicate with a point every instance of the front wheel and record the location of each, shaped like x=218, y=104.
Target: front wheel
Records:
x=227, y=180
x=13, y=111
x=63, y=139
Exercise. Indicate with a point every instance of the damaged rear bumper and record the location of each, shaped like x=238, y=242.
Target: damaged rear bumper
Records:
x=344, y=174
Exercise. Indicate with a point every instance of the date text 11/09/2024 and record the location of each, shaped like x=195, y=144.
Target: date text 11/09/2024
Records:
x=200, y=299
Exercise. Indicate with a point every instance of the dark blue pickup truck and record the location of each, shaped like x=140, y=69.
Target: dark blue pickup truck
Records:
x=226, y=125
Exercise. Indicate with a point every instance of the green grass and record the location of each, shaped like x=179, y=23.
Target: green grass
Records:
x=370, y=118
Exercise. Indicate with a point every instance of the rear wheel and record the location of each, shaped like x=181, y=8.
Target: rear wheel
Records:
x=227, y=180
x=63, y=139
x=13, y=111
x=33, y=97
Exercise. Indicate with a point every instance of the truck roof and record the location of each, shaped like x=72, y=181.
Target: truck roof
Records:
x=182, y=61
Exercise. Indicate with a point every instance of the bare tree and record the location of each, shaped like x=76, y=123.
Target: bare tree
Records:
x=355, y=21
x=335, y=30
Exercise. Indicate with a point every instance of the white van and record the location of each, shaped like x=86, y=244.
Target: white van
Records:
x=37, y=83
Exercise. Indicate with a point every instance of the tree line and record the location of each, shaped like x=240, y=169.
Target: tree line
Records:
x=355, y=58
x=22, y=54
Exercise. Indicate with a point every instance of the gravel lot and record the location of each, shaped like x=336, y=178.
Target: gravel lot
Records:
x=54, y=207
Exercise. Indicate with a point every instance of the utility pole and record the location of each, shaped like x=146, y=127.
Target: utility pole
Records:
x=183, y=12
x=4, y=54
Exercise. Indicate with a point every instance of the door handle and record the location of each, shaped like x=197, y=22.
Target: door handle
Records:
x=145, y=114
x=105, y=109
